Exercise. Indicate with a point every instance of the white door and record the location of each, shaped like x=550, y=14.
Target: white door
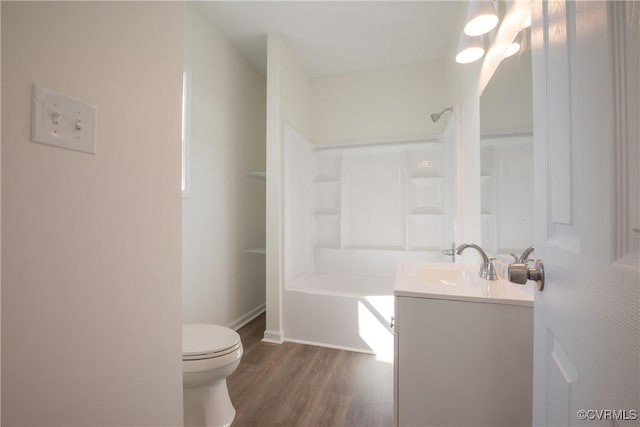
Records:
x=586, y=118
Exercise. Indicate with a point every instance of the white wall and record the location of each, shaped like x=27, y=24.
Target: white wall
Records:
x=288, y=100
x=506, y=105
x=388, y=104
x=91, y=310
x=295, y=92
x=224, y=215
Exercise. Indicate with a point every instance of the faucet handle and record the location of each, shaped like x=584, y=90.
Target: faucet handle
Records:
x=524, y=258
x=451, y=252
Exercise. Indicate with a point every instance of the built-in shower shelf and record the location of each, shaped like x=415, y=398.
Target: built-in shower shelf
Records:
x=258, y=175
x=261, y=251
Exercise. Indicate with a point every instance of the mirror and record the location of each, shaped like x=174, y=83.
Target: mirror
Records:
x=506, y=158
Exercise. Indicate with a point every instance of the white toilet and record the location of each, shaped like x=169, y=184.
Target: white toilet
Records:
x=210, y=353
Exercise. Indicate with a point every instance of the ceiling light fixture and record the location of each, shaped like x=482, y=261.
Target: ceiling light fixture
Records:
x=481, y=18
x=470, y=49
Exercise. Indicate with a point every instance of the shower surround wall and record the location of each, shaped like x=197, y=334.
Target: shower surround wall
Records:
x=350, y=214
x=507, y=203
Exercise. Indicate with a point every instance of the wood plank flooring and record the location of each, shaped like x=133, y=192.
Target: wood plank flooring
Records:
x=301, y=385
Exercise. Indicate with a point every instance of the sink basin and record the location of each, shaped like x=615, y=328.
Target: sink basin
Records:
x=445, y=274
x=457, y=282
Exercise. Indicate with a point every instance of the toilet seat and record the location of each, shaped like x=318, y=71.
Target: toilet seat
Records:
x=204, y=341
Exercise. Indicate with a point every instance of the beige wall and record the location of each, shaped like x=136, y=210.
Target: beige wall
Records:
x=224, y=214
x=388, y=104
x=91, y=310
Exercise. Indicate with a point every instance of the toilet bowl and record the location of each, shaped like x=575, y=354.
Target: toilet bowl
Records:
x=210, y=353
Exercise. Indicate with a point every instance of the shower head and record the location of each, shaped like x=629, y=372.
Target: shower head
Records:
x=436, y=116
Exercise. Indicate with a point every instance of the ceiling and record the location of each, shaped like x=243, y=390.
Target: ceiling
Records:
x=335, y=37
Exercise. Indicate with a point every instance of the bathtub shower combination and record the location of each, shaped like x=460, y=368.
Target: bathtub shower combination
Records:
x=350, y=214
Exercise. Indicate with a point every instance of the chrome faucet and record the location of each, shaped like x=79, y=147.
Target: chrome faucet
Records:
x=525, y=255
x=524, y=258
x=487, y=269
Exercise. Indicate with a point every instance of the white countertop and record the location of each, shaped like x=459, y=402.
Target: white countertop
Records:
x=458, y=282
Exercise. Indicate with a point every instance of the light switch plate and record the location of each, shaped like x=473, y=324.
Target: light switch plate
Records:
x=62, y=121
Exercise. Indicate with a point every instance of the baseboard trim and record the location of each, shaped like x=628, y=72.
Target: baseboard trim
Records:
x=246, y=318
x=272, y=337
x=337, y=347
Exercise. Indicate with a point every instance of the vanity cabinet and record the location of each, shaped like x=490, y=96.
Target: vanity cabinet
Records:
x=462, y=362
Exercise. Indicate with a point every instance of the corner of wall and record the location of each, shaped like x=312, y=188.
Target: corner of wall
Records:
x=288, y=100
x=274, y=190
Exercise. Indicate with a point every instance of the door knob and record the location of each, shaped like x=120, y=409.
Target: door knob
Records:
x=519, y=273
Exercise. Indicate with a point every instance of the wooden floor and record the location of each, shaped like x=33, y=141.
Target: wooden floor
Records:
x=300, y=385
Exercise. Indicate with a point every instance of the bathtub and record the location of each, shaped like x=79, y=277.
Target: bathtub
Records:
x=345, y=311
x=338, y=306
x=343, y=285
